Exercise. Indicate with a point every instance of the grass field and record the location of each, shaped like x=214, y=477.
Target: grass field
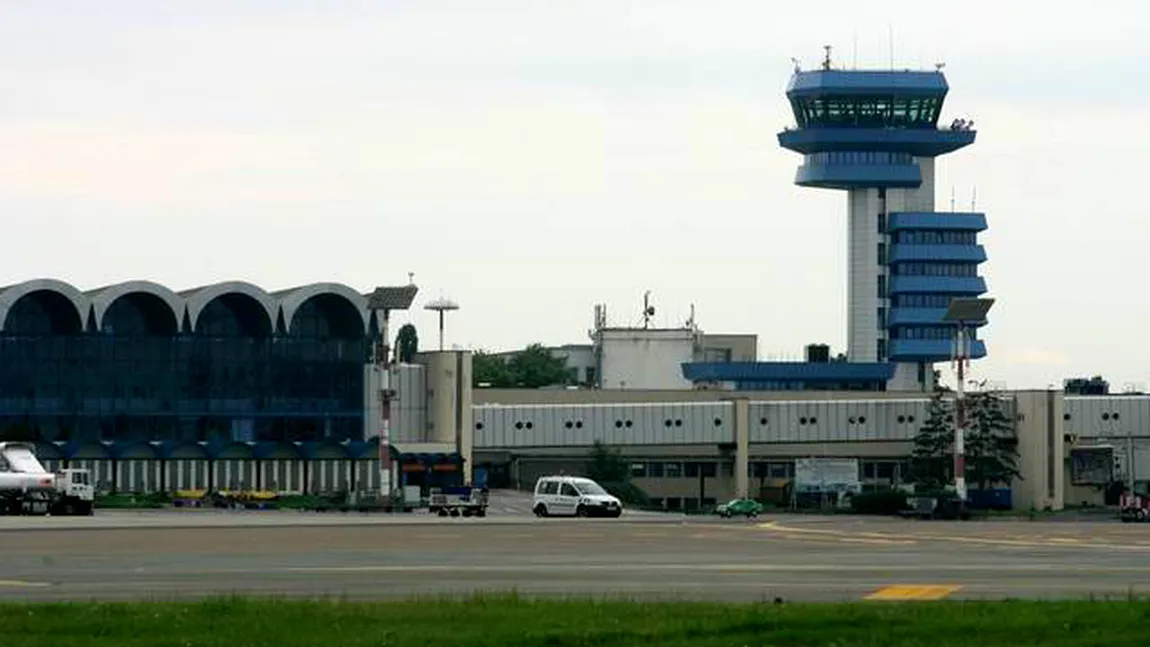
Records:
x=504, y=621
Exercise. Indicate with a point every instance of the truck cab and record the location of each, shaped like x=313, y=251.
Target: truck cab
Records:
x=77, y=483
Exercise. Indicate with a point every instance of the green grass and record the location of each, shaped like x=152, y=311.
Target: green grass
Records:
x=506, y=621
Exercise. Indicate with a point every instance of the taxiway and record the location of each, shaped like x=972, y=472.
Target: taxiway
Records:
x=362, y=557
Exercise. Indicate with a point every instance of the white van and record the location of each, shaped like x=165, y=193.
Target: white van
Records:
x=566, y=496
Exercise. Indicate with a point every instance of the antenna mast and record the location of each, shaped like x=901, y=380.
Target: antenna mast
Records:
x=890, y=43
x=648, y=310
x=827, y=57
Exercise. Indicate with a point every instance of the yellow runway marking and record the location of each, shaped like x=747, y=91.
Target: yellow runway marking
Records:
x=21, y=584
x=913, y=592
x=1028, y=542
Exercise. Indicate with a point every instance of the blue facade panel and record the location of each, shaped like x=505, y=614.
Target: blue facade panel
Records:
x=915, y=316
x=787, y=371
x=920, y=142
x=857, y=176
x=951, y=285
x=942, y=253
x=929, y=350
x=940, y=221
x=921, y=317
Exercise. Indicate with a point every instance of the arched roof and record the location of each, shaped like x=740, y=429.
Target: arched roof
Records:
x=198, y=298
x=103, y=298
x=291, y=299
x=13, y=293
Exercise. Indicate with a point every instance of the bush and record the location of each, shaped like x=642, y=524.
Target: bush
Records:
x=880, y=502
x=629, y=493
x=131, y=501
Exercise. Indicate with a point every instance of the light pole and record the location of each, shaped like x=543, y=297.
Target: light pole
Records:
x=384, y=300
x=962, y=312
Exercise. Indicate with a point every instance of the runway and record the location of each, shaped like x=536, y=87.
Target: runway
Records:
x=796, y=558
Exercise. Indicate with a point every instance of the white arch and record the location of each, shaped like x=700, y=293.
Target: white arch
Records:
x=198, y=298
x=103, y=298
x=13, y=293
x=291, y=299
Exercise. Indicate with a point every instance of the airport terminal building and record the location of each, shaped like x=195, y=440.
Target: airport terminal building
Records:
x=229, y=386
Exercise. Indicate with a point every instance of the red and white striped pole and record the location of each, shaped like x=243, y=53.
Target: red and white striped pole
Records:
x=960, y=359
x=383, y=364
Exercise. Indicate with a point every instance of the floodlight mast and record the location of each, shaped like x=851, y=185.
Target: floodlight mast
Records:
x=384, y=300
x=962, y=312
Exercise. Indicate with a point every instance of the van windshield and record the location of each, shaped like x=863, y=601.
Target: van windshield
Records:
x=589, y=488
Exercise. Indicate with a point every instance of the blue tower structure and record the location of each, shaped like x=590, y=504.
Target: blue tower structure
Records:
x=875, y=134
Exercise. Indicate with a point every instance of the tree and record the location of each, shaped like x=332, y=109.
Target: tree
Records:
x=406, y=344
x=991, y=443
x=990, y=448
x=490, y=370
x=606, y=465
x=533, y=367
x=932, y=464
x=608, y=468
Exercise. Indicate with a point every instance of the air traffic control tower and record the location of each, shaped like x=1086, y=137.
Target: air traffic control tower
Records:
x=874, y=134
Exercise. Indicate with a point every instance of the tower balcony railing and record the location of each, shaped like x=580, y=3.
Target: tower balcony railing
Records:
x=952, y=285
x=901, y=252
x=900, y=316
x=920, y=142
x=936, y=220
x=929, y=350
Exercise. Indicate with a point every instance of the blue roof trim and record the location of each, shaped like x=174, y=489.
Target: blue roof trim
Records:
x=947, y=221
x=904, y=82
x=920, y=142
x=805, y=371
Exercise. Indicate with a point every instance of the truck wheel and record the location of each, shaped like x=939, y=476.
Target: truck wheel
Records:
x=482, y=512
x=442, y=512
x=580, y=511
x=540, y=510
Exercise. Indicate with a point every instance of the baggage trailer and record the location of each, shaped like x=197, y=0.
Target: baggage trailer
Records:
x=458, y=501
x=27, y=488
x=1133, y=508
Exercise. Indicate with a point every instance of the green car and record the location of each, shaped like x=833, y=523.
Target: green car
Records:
x=742, y=507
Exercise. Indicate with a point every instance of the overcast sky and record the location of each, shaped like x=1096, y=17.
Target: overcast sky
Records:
x=531, y=159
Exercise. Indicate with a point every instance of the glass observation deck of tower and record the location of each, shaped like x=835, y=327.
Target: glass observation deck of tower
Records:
x=875, y=135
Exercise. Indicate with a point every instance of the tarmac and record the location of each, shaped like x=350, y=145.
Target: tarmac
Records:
x=181, y=555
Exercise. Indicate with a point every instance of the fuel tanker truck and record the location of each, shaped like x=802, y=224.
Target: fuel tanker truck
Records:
x=27, y=488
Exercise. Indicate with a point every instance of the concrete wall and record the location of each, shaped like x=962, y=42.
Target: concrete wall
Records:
x=1041, y=450
x=645, y=359
x=448, y=400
